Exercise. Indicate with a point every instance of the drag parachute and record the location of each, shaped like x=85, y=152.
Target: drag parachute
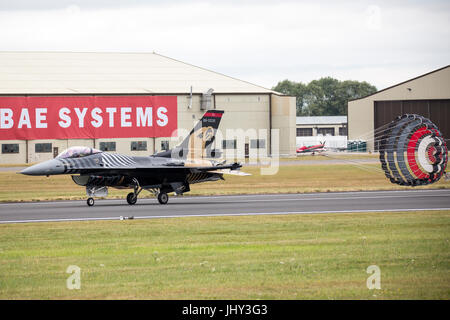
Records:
x=413, y=151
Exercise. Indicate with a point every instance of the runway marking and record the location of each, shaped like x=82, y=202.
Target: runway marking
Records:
x=340, y=198
x=225, y=214
x=442, y=192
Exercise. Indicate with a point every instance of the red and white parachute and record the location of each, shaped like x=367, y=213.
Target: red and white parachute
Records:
x=413, y=151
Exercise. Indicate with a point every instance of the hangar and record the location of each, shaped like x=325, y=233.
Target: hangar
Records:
x=322, y=125
x=331, y=130
x=130, y=103
x=427, y=95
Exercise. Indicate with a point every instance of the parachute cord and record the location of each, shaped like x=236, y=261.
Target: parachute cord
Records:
x=378, y=130
x=356, y=164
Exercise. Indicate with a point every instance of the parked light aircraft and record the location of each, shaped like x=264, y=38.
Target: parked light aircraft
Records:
x=316, y=148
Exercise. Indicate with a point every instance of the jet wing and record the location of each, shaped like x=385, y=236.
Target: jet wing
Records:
x=132, y=170
x=233, y=166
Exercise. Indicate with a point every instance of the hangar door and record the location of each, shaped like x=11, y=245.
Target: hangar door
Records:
x=438, y=111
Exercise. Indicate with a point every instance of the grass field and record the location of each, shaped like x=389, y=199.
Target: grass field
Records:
x=334, y=155
x=289, y=179
x=322, y=256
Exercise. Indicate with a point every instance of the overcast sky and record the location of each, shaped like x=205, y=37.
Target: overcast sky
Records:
x=382, y=42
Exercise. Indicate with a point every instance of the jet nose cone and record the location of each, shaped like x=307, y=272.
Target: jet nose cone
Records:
x=28, y=171
x=43, y=169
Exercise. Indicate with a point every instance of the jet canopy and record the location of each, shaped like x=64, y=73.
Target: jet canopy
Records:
x=77, y=152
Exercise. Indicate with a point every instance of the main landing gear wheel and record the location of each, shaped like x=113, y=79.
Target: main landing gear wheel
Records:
x=131, y=198
x=163, y=198
x=90, y=202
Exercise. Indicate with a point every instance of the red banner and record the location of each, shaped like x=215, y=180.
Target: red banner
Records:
x=87, y=117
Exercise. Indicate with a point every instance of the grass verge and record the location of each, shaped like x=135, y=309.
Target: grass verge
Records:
x=333, y=155
x=321, y=256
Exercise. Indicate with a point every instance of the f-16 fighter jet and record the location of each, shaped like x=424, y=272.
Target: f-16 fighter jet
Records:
x=162, y=173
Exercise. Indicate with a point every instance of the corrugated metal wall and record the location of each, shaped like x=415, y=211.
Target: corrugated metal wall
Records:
x=438, y=111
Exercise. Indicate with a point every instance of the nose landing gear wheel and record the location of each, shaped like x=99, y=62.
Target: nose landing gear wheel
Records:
x=131, y=198
x=90, y=202
x=163, y=198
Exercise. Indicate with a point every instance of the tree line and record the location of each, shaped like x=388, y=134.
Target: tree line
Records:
x=326, y=96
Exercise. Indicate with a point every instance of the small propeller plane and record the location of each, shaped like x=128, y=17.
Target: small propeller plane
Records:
x=162, y=173
x=313, y=149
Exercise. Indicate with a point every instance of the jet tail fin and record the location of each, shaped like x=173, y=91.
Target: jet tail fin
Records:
x=198, y=143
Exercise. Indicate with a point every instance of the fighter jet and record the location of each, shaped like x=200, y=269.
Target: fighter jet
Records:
x=193, y=161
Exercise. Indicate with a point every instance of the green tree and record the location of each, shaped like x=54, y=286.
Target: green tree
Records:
x=296, y=89
x=326, y=96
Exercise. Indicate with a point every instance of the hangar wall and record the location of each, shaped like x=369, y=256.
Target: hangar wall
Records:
x=246, y=105
x=361, y=112
x=315, y=125
x=283, y=118
x=242, y=111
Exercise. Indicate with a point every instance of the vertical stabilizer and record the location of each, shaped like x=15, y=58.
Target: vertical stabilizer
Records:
x=199, y=140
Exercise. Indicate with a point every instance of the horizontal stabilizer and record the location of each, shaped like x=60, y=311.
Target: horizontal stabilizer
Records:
x=231, y=172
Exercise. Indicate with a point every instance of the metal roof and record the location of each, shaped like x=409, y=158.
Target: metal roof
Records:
x=398, y=84
x=110, y=73
x=322, y=120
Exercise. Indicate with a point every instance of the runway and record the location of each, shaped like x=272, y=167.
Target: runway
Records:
x=333, y=202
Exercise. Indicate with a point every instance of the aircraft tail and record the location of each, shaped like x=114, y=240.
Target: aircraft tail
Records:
x=198, y=143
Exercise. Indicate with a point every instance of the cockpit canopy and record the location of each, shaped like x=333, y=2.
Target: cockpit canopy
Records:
x=77, y=152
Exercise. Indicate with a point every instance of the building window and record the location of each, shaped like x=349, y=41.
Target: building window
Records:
x=164, y=145
x=325, y=131
x=229, y=144
x=258, y=144
x=108, y=146
x=343, y=131
x=139, y=146
x=10, y=148
x=304, y=132
x=43, y=147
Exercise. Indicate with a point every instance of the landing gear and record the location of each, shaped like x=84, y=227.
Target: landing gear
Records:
x=95, y=191
x=90, y=202
x=131, y=198
x=163, y=198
